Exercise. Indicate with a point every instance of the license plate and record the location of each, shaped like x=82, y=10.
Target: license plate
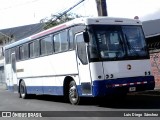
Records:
x=131, y=89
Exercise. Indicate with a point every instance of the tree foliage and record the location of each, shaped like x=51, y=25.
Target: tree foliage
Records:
x=58, y=19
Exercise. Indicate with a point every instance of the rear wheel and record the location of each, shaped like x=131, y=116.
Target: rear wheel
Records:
x=73, y=93
x=22, y=90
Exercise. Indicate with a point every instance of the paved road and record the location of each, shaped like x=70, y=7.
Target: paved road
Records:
x=11, y=102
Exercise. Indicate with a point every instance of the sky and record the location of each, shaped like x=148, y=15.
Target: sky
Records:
x=15, y=13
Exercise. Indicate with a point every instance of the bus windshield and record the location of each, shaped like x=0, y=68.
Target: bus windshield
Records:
x=117, y=42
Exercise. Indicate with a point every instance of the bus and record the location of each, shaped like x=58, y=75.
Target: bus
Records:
x=85, y=57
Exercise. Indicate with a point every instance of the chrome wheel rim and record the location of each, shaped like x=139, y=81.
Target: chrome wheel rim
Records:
x=73, y=94
x=22, y=90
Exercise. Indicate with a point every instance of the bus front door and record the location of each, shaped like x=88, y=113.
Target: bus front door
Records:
x=83, y=65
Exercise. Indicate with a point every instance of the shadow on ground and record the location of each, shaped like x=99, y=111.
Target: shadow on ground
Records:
x=133, y=102
x=129, y=102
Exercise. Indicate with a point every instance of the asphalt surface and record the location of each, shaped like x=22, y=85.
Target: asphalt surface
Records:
x=145, y=101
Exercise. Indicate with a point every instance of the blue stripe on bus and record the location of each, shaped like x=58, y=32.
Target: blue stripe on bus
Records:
x=99, y=87
x=52, y=90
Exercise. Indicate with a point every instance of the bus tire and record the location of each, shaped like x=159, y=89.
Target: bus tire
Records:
x=22, y=90
x=73, y=93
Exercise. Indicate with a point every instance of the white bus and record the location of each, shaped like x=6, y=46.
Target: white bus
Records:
x=86, y=57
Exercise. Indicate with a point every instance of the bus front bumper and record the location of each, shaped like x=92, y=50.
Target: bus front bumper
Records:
x=122, y=85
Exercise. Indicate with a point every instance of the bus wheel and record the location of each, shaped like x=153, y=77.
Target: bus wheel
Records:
x=73, y=94
x=22, y=90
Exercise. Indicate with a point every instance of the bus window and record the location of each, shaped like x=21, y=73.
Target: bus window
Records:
x=7, y=56
x=81, y=49
x=46, y=45
x=25, y=46
x=49, y=44
x=12, y=50
x=21, y=51
x=31, y=50
x=36, y=48
x=57, y=43
x=17, y=53
x=71, y=39
x=42, y=48
x=64, y=41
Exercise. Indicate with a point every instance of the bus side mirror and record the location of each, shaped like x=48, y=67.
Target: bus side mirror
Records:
x=86, y=37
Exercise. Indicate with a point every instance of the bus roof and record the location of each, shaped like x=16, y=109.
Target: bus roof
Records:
x=84, y=21
x=90, y=21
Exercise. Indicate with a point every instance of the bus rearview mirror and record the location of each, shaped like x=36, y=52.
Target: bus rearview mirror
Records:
x=86, y=37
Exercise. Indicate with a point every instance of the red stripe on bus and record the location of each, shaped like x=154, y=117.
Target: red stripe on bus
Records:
x=48, y=31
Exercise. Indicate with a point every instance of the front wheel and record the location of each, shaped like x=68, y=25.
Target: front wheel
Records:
x=22, y=90
x=73, y=93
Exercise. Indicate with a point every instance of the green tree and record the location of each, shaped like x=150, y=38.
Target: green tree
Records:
x=58, y=19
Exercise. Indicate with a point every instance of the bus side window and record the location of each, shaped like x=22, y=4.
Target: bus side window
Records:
x=26, y=55
x=42, y=46
x=71, y=38
x=31, y=50
x=64, y=40
x=57, y=43
x=7, y=56
x=13, y=50
x=36, y=48
x=21, y=51
x=17, y=53
x=48, y=44
x=13, y=59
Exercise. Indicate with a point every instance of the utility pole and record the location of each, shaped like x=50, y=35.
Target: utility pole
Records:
x=101, y=7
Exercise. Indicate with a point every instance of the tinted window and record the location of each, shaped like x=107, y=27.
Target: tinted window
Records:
x=31, y=49
x=71, y=38
x=7, y=56
x=36, y=48
x=25, y=46
x=46, y=45
x=17, y=53
x=13, y=62
x=12, y=50
x=21, y=51
x=49, y=44
x=13, y=57
x=81, y=49
x=64, y=40
x=43, y=47
x=57, y=43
